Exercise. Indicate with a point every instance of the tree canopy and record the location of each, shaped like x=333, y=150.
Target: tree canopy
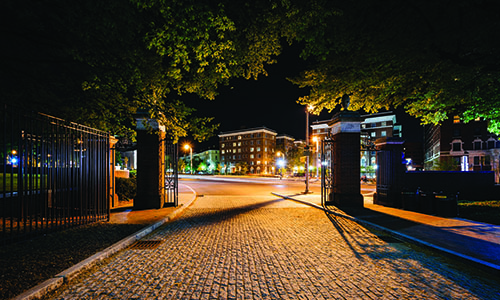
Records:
x=434, y=58
x=101, y=62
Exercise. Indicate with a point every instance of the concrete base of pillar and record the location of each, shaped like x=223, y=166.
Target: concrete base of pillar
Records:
x=346, y=200
x=148, y=202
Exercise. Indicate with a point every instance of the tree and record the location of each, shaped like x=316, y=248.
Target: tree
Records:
x=434, y=58
x=100, y=62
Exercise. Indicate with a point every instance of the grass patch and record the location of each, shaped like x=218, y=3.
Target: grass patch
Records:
x=481, y=211
x=26, y=264
x=9, y=182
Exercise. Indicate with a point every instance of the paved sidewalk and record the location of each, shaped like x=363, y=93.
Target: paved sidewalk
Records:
x=151, y=219
x=263, y=247
x=475, y=242
x=125, y=215
x=236, y=247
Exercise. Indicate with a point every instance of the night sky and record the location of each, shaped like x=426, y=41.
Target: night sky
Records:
x=270, y=101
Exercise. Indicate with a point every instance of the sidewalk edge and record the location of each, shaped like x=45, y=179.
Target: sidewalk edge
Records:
x=493, y=268
x=58, y=280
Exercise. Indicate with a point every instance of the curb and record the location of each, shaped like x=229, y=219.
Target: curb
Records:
x=493, y=268
x=58, y=280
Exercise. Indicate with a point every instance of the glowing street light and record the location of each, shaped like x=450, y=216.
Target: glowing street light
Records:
x=281, y=162
x=188, y=147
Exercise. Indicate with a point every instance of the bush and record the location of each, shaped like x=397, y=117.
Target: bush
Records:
x=126, y=188
x=481, y=211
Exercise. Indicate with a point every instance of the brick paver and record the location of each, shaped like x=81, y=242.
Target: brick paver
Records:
x=233, y=247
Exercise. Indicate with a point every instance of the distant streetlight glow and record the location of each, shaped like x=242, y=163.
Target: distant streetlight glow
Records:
x=281, y=162
x=188, y=147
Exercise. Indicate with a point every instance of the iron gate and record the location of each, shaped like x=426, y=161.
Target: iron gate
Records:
x=327, y=180
x=53, y=174
x=171, y=173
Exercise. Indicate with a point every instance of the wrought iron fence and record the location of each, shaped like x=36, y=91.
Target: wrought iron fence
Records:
x=171, y=173
x=53, y=174
x=327, y=180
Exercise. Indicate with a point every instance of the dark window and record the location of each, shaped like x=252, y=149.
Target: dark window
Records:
x=477, y=145
x=457, y=146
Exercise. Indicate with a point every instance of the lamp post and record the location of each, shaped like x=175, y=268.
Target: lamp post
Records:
x=309, y=108
x=187, y=147
x=316, y=140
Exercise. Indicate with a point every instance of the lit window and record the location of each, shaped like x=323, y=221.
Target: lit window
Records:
x=373, y=134
x=383, y=133
x=456, y=119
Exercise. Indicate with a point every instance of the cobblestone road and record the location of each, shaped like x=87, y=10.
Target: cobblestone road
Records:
x=233, y=247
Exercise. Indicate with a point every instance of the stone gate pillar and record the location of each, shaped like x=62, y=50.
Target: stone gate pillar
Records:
x=391, y=170
x=150, y=165
x=346, y=159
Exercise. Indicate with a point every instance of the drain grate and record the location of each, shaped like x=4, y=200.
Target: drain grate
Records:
x=146, y=245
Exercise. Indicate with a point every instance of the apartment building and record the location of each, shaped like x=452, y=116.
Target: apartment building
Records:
x=252, y=148
x=455, y=145
x=285, y=142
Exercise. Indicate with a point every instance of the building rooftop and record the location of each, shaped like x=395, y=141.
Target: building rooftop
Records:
x=248, y=130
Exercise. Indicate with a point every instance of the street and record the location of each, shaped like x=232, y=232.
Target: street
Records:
x=237, y=241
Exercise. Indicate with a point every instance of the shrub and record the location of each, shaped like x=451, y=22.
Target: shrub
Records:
x=126, y=188
x=482, y=211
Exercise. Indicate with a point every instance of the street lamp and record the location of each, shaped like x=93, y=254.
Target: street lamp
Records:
x=308, y=109
x=281, y=162
x=187, y=147
x=316, y=140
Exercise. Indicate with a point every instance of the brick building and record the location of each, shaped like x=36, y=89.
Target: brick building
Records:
x=455, y=145
x=285, y=142
x=249, y=148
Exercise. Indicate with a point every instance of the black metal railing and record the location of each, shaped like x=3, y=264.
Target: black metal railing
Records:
x=53, y=174
x=327, y=179
x=171, y=173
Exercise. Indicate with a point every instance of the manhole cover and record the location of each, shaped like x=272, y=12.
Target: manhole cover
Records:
x=145, y=245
